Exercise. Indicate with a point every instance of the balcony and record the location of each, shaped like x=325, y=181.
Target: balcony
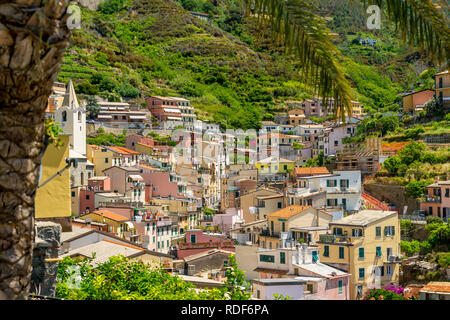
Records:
x=393, y=259
x=435, y=199
x=267, y=233
x=332, y=238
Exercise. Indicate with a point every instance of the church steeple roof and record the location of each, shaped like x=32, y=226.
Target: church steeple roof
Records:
x=70, y=98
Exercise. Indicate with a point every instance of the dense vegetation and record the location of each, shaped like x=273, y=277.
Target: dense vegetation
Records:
x=435, y=249
x=122, y=279
x=228, y=67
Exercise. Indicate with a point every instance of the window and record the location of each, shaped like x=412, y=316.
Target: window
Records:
x=73, y=193
x=331, y=183
x=279, y=205
x=148, y=226
x=285, y=167
x=337, y=231
x=356, y=233
x=283, y=257
x=378, y=252
x=331, y=202
x=87, y=197
x=378, y=271
x=359, y=290
x=106, y=160
x=326, y=251
x=344, y=183
x=340, y=286
x=266, y=258
x=361, y=253
x=283, y=227
x=341, y=252
x=361, y=273
x=389, y=231
x=389, y=270
x=378, y=231
x=64, y=116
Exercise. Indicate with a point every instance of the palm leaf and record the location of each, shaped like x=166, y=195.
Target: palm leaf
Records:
x=304, y=34
x=420, y=23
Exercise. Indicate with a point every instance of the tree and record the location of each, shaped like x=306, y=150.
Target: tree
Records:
x=33, y=37
x=392, y=164
x=236, y=287
x=415, y=188
x=92, y=107
x=311, y=163
x=413, y=151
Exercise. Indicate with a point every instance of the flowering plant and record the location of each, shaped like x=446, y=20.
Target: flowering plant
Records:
x=387, y=292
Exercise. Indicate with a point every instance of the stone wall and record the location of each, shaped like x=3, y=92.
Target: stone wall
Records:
x=45, y=254
x=394, y=194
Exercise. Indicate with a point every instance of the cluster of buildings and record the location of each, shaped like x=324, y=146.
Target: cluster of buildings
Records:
x=305, y=232
x=414, y=102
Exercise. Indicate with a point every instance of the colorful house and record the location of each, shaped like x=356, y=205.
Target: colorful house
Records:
x=52, y=200
x=366, y=245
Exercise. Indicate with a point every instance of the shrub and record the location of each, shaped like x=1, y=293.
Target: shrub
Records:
x=415, y=189
x=111, y=6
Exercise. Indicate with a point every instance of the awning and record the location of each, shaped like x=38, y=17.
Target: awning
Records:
x=104, y=116
x=129, y=224
x=174, y=118
x=138, y=117
x=172, y=110
x=135, y=177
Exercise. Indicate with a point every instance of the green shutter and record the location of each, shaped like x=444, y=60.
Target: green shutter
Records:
x=393, y=230
x=378, y=231
x=361, y=252
x=378, y=252
x=385, y=231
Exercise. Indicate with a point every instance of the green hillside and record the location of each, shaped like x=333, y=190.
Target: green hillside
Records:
x=230, y=69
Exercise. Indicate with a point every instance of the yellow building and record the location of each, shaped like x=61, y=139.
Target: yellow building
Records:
x=442, y=87
x=274, y=165
x=367, y=245
x=52, y=201
x=117, y=223
x=104, y=157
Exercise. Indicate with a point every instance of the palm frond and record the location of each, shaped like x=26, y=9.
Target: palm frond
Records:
x=304, y=34
x=420, y=23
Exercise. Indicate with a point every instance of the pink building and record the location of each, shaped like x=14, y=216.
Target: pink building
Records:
x=197, y=241
x=437, y=202
x=336, y=135
x=87, y=194
x=228, y=220
x=133, y=139
x=159, y=183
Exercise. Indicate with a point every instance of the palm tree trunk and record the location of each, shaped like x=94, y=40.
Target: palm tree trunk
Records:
x=33, y=36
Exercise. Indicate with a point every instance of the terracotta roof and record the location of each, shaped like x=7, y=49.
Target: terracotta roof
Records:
x=111, y=215
x=436, y=286
x=123, y=150
x=311, y=171
x=147, y=167
x=266, y=270
x=286, y=212
x=393, y=146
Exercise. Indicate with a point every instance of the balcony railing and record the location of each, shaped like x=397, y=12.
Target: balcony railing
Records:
x=436, y=199
x=332, y=238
